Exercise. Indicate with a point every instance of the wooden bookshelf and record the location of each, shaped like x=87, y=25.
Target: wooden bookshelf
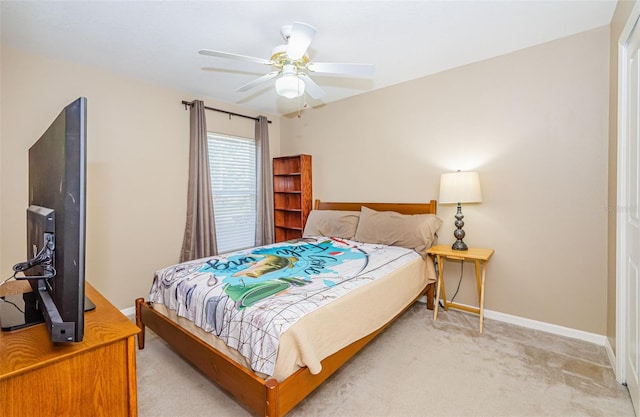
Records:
x=292, y=195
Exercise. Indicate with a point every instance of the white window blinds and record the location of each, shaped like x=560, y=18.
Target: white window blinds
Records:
x=232, y=162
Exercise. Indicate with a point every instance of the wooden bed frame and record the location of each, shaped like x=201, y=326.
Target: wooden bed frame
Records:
x=267, y=397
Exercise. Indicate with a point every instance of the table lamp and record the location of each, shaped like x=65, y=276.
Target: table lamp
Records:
x=460, y=187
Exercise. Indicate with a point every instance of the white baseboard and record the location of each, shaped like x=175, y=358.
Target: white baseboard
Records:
x=612, y=356
x=129, y=312
x=549, y=328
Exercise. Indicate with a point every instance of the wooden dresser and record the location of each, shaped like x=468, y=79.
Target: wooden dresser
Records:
x=95, y=377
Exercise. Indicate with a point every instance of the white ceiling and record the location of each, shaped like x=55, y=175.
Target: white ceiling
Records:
x=159, y=40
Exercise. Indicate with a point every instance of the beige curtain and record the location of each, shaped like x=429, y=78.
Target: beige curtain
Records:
x=264, y=204
x=200, y=230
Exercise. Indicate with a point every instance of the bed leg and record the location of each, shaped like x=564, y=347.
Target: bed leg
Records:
x=430, y=296
x=271, y=391
x=139, y=323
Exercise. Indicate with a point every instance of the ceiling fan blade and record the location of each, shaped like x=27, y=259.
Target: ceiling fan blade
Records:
x=221, y=54
x=258, y=81
x=312, y=88
x=301, y=36
x=347, y=69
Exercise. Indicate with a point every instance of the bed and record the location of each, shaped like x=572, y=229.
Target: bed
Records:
x=304, y=359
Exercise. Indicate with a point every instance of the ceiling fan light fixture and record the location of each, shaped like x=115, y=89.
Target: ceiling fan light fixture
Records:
x=289, y=85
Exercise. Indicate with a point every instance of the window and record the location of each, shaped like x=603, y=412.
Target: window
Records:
x=232, y=162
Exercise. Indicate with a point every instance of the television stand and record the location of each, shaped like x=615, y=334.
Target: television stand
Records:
x=21, y=310
x=18, y=311
x=94, y=377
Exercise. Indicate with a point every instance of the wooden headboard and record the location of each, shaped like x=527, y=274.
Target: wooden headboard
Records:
x=404, y=208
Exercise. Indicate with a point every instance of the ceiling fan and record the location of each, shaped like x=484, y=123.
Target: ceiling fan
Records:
x=291, y=65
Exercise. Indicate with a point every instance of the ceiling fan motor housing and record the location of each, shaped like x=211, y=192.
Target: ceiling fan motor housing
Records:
x=280, y=59
x=285, y=31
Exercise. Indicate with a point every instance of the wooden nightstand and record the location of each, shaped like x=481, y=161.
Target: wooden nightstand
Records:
x=480, y=257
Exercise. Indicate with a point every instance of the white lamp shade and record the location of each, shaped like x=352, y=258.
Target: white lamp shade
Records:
x=289, y=86
x=460, y=187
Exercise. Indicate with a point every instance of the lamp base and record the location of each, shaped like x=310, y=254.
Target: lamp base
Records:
x=459, y=233
x=459, y=245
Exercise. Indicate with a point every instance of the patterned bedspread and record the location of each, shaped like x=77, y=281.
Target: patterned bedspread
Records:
x=249, y=298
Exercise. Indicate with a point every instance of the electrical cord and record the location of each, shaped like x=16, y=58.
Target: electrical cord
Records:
x=459, y=281
x=13, y=304
x=8, y=279
x=43, y=257
x=2, y=298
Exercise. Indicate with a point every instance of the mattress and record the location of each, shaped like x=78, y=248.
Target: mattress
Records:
x=377, y=290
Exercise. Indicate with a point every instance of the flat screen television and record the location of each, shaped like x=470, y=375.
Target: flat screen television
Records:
x=55, y=265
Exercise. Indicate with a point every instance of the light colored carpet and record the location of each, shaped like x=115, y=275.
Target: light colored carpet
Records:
x=419, y=367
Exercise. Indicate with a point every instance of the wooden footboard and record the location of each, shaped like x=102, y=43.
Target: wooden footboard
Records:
x=244, y=385
x=262, y=397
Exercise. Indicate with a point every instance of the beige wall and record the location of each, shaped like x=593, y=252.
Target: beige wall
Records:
x=138, y=140
x=620, y=17
x=534, y=124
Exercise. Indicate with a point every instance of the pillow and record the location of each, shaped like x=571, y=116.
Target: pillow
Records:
x=413, y=231
x=332, y=223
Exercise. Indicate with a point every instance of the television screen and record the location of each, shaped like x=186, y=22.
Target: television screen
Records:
x=55, y=264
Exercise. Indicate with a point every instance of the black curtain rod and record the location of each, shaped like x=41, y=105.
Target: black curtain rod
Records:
x=187, y=103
